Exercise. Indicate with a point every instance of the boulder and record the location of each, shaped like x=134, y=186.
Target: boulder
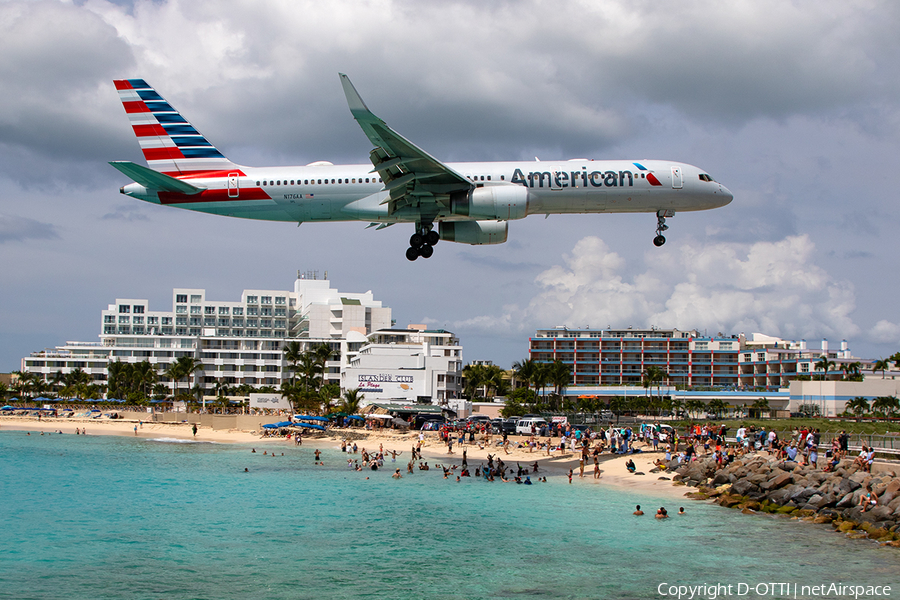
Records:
x=720, y=478
x=743, y=487
x=846, y=501
x=802, y=495
x=781, y=479
x=848, y=485
x=780, y=497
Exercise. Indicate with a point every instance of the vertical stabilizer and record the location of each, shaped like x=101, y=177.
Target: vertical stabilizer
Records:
x=169, y=142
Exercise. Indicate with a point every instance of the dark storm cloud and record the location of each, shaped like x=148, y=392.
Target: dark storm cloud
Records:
x=56, y=62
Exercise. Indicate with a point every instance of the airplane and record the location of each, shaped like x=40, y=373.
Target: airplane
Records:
x=470, y=202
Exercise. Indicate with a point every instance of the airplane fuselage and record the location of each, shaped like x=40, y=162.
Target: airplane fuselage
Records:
x=326, y=192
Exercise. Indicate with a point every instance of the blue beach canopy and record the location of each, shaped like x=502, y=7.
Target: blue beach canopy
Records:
x=310, y=426
x=277, y=425
x=357, y=417
x=309, y=418
x=8, y=408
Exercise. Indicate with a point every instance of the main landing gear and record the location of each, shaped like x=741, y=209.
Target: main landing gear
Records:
x=661, y=226
x=422, y=243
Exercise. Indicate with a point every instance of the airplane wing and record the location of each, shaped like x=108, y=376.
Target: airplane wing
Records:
x=412, y=176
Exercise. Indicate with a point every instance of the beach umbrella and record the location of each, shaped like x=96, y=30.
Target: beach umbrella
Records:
x=356, y=417
x=310, y=426
x=309, y=418
x=8, y=408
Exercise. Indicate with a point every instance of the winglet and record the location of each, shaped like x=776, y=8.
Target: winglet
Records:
x=353, y=98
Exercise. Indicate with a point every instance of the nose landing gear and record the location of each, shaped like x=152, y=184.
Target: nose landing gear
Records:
x=661, y=226
x=422, y=242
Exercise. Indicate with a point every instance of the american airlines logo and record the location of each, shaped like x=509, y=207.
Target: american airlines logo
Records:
x=582, y=178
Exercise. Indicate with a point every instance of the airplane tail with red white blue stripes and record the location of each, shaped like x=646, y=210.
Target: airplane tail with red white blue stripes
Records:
x=171, y=145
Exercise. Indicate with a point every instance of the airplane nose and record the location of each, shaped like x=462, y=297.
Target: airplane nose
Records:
x=725, y=194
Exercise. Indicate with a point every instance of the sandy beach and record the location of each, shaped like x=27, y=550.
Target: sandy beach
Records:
x=613, y=470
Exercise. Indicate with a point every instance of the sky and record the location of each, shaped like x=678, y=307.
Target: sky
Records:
x=794, y=106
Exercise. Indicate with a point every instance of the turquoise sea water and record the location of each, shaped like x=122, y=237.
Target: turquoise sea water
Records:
x=116, y=517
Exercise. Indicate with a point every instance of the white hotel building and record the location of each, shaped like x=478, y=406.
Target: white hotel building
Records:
x=237, y=342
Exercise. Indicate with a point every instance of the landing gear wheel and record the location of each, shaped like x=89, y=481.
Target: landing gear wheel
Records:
x=432, y=238
x=426, y=251
x=416, y=240
x=659, y=241
x=412, y=253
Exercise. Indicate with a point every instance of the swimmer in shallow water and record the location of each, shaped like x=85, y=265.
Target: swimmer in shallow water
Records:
x=661, y=513
x=637, y=510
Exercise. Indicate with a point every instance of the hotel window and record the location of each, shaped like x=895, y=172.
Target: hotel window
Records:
x=251, y=322
x=124, y=308
x=196, y=298
x=238, y=310
x=237, y=323
x=280, y=312
x=167, y=320
x=265, y=322
x=123, y=319
x=761, y=356
x=266, y=312
x=252, y=299
x=196, y=321
x=109, y=319
x=266, y=300
x=180, y=310
x=279, y=323
x=196, y=310
x=137, y=309
x=279, y=300
x=252, y=310
x=138, y=320
x=181, y=320
x=209, y=322
x=152, y=320
x=181, y=298
x=194, y=331
x=223, y=310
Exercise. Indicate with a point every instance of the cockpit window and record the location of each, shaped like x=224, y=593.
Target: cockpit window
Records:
x=705, y=177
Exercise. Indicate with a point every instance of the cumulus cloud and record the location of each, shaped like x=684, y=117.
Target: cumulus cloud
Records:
x=885, y=332
x=771, y=287
x=18, y=229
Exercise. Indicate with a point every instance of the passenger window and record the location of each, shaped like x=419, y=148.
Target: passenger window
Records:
x=320, y=182
x=257, y=184
x=489, y=177
x=292, y=182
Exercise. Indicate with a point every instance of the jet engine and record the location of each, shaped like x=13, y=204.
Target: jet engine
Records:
x=503, y=202
x=474, y=232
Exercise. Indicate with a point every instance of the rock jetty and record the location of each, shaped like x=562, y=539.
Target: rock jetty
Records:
x=763, y=484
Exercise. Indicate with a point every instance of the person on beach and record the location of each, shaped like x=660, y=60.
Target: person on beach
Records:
x=318, y=455
x=570, y=475
x=194, y=429
x=869, y=500
x=638, y=511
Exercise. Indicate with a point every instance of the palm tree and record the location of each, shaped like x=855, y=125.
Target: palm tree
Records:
x=886, y=405
x=183, y=367
x=693, y=406
x=716, y=406
x=858, y=406
x=655, y=375
x=851, y=371
x=882, y=364
x=350, y=401
x=824, y=364
x=292, y=352
x=895, y=358
x=559, y=374
x=475, y=376
x=761, y=406
x=524, y=371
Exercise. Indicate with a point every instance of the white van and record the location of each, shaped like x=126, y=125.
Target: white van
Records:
x=523, y=426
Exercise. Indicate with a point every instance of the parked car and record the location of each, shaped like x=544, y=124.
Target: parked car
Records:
x=506, y=426
x=524, y=425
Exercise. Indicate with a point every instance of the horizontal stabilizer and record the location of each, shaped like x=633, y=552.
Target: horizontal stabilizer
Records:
x=378, y=225
x=154, y=180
